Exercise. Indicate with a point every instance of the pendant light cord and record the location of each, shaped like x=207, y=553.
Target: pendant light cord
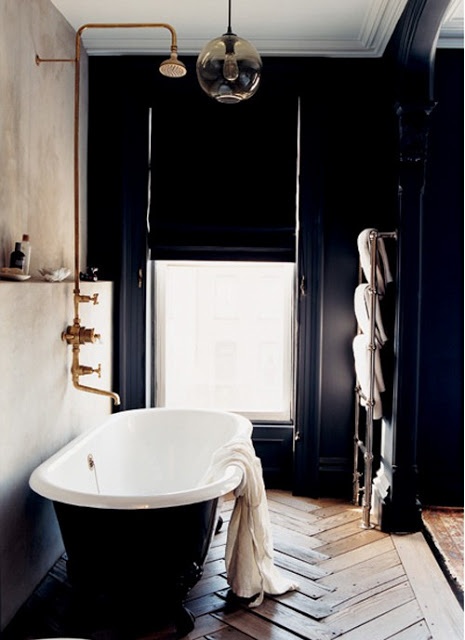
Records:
x=229, y=32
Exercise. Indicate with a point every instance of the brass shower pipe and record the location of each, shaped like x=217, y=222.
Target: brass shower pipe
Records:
x=76, y=334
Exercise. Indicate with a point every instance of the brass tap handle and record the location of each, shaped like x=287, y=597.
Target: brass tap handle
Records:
x=93, y=298
x=67, y=337
x=85, y=370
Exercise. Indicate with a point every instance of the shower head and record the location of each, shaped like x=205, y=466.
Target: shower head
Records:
x=173, y=68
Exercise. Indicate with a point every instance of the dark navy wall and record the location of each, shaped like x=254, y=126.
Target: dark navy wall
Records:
x=360, y=192
x=348, y=182
x=440, y=450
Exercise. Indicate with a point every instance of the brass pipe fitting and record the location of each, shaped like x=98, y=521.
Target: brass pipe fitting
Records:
x=88, y=335
x=75, y=334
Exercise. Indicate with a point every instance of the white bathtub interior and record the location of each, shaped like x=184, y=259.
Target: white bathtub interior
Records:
x=144, y=452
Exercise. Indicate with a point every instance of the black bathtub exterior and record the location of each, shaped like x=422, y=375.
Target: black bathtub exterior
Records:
x=136, y=564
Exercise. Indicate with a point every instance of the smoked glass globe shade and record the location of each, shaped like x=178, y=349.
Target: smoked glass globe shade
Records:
x=229, y=68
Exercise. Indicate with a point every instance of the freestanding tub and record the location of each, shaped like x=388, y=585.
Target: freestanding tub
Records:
x=135, y=514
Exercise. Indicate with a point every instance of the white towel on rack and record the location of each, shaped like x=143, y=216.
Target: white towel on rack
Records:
x=362, y=306
x=362, y=356
x=250, y=568
x=383, y=271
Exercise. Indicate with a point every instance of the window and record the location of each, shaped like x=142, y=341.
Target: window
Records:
x=223, y=336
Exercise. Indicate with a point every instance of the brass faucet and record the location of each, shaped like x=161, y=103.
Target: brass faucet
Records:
x=75, y=335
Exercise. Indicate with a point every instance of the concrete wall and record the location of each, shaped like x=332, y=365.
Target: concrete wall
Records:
x=40, y=410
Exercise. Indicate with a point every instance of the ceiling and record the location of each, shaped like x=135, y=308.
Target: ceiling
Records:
x=335, y=28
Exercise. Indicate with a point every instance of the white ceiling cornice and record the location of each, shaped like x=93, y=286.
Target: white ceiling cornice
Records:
x=330, y=28
x=451, y=34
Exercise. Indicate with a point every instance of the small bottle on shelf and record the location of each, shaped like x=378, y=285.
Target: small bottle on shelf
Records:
x=26, y=249
x=17, y=257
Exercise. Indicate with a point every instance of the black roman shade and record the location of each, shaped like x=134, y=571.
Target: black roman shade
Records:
x=223, y=178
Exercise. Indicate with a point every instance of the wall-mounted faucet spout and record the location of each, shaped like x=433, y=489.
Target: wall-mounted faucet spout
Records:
x=102, y=392
x=78, y=369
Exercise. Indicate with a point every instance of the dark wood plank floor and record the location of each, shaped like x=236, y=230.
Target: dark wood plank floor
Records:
x=354, y=584
x=444, y=532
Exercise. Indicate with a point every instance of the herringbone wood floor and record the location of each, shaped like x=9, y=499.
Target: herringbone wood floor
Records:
x=354, y=584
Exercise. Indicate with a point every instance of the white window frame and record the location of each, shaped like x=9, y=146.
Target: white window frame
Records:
x=156, y=340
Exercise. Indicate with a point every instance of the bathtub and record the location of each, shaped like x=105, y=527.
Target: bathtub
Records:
x=135, y=513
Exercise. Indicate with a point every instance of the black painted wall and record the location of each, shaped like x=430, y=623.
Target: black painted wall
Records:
x=348, y=182
x=440, y=450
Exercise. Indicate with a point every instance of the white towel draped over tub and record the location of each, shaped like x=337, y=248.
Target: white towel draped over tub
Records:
x=250, y=568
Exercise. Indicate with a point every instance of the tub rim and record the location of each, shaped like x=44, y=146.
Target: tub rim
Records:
x=230, y=480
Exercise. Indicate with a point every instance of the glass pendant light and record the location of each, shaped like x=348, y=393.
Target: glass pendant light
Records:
x=229, y=67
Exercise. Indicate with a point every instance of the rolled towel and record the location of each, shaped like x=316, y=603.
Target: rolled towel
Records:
x=362, y=306
x=383, y=272
x=362, y=356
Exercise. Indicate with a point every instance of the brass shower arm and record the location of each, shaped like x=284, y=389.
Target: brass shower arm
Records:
x=128, y=25
x=39, y=60
x=114, y=25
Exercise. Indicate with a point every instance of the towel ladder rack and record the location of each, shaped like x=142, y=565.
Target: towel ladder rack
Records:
x=362, y=493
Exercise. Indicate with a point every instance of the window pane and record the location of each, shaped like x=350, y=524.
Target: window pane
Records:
x=224, y=336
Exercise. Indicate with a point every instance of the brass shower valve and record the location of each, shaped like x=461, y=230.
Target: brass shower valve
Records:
x=76, y=335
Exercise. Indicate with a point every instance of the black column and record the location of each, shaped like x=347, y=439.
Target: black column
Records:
x=412, y=52
x=397, y=490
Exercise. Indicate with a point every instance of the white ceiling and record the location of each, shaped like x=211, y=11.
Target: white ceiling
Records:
x=342, y=28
